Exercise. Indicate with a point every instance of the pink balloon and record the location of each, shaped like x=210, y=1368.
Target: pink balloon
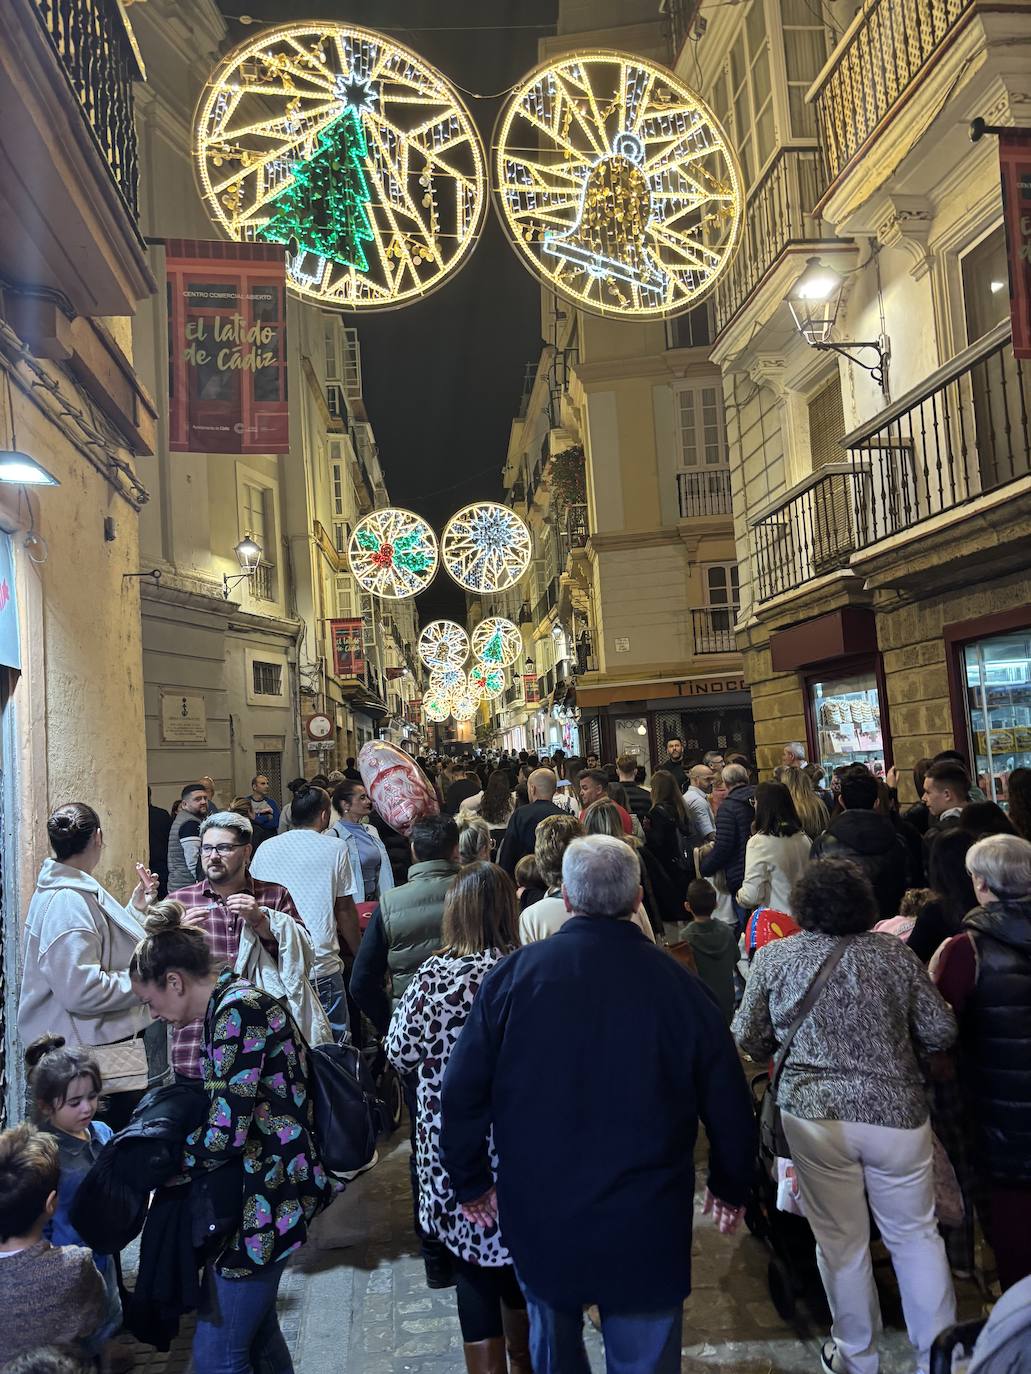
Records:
x=400, y=790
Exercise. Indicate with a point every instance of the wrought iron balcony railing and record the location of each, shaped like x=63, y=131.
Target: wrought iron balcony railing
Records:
x=714, y=629
x=576, y=529
x=778, y=215
x=810, y=533
x=94, y=48
x=962, y=433
x=878, y=63
x=706, y=492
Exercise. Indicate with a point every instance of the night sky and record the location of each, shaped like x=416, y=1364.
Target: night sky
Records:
x=442, y=378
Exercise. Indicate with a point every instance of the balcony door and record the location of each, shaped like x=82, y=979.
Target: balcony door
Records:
x=703, y=479
x=995, y=392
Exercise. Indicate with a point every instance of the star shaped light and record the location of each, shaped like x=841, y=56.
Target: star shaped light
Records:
x=357, y=92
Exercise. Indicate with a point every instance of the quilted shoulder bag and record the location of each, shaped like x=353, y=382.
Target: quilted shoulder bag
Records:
x=771, y=1130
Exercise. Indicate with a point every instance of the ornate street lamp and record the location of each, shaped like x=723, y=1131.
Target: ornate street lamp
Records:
x=248, y=555
x=814, y=302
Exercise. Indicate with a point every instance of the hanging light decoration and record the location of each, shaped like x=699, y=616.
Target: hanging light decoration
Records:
x=486, y=683
x=448, y=683
x=485, y=547
x=464, y=708
x=443, y=644
x=393, y=553
x=351, y=151
x=616, y=185
x=436, y=709
x=497, y=641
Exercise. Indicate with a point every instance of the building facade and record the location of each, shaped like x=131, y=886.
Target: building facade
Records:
x=235, y=666
x=881, y=490
x=73, y=269
x=619, y=462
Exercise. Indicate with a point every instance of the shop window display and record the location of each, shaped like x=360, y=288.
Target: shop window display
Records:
x=997, y=677
x=846, y=712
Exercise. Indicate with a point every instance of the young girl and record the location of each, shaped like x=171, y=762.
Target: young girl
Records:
x=64, y=1090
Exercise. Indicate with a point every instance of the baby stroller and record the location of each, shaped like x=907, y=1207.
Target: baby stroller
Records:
x=999, y=1345
x=389, y=1093
x=791, y=1273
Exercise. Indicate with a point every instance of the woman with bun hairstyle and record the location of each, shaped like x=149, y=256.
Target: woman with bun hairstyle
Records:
x=64, y=1091
x=254, y=1067
x=78, y=943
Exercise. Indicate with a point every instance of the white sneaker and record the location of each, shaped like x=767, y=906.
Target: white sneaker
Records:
x=830, y=1359
x=364, y=1169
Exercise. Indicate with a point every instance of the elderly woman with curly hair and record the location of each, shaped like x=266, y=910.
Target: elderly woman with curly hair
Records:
x=853, y=1105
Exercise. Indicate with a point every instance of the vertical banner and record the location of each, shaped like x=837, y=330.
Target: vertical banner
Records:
x=227, y=347
x=348, y=653
x=1015, y=170
x=413, y=710
x=10, y=649
x=531, y=690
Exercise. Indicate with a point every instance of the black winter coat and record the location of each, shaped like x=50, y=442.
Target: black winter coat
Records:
x=995, y=1039
x=873, y=843
x=733, y=828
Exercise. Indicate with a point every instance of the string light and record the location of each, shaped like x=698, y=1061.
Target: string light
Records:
x=497, y=641
x=616, y=185
x=393, y=553
x=350, y=149
x=485, y=547
x=443, y=644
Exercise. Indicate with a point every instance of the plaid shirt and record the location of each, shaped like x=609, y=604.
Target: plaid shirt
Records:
x=222, y=929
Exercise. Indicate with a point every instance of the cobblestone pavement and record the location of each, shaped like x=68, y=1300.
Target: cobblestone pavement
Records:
x=355, y=1301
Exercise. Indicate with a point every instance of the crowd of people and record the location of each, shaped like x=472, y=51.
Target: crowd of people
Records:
x=568, y=966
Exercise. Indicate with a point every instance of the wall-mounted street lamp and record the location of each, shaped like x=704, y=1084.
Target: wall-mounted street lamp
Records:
x=814, y=302
x=248, y=555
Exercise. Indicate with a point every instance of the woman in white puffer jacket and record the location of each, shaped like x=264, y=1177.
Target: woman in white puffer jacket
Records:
x=777, y=853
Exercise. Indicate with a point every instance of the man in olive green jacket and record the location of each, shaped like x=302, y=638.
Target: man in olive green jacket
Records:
x=402, y=934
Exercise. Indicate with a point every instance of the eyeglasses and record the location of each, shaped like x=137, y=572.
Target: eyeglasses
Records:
x=220, y=849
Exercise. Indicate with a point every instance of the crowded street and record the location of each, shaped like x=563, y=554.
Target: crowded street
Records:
x=515, y=687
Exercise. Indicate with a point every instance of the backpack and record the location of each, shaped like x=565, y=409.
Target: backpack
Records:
x=345, y=1105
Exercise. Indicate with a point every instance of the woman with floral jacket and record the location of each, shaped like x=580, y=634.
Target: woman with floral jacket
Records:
x=255, y=1070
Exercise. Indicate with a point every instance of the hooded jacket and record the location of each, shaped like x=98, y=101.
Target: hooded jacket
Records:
x=872, y=842
x=78, y=943
x=996, y=1037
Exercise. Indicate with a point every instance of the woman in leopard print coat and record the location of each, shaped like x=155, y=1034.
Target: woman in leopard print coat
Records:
x=480, y=927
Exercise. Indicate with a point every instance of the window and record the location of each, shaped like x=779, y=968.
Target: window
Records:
x=693, y=329
x=267, y=678
x=257, y=519
x=700, y=427
x=352, y=363
x=827, y=424
x=345, y=596
x=751, y=93
x=986, y=299
x=805, y=51
x=332, y=352
x=722, y=585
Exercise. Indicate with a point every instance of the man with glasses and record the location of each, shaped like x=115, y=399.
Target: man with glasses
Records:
x=221, y=904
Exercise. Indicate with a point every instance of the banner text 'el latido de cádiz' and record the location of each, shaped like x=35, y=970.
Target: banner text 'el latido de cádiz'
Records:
x=227, y=347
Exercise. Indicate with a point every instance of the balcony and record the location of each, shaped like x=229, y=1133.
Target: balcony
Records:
x=810, y=532
x=706, y=492
x=547, y=602
x=714, y=629
x=67, y=69
x=875, y=68
x=575, y=527
x=777, y=218
x=961, y=434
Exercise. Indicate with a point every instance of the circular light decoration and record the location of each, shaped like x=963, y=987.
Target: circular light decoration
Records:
x=464, y=707
x=393, y=553
x=435, y=709
x=485, y=547
x=616, y=184
x=447, y=683
x=486, y=683
x=443, y=644
x=497, y=641
x=350, y=150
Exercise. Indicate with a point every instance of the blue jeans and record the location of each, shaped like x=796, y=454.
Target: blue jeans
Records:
x=333, y=997
x=237, y=1327
x=635, y=1343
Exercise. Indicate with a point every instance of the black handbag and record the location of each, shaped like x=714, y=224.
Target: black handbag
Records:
x=345, y=1107
x=771, y=1130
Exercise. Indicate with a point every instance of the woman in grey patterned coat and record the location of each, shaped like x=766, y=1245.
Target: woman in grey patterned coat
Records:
x=854, y=1106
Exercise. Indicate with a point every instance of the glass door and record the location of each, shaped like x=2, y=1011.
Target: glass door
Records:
x=997, y=697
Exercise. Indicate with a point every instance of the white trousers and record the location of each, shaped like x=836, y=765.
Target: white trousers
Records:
x=841, y=1164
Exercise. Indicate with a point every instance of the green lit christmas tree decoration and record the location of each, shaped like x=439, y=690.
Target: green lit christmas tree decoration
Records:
x=324, y=210
x=493, y=650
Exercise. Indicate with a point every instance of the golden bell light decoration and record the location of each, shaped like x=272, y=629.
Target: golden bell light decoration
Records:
x=608, y=238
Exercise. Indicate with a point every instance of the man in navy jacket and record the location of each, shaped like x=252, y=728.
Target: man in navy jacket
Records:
x=593, y=1055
